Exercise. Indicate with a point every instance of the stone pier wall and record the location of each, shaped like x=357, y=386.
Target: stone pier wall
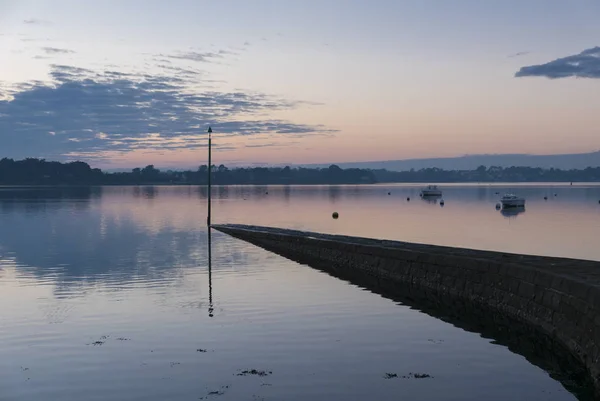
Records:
x=559, y=297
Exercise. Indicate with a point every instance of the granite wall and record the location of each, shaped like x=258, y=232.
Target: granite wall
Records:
x=557, y=297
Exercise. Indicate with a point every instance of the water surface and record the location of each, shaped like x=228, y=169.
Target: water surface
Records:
x=106, y=294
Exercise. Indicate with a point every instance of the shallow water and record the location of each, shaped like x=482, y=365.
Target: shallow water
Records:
x=106, y=294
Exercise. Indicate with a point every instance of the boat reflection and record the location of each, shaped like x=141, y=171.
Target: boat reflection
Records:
x=434, y=199
x=512, y=212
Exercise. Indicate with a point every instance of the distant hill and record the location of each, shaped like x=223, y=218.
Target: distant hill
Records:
x=471, y=162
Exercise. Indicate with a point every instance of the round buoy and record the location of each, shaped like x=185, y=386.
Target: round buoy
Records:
x=408, y=199
x=498, y=206
x=555, y=194
x=442, y=202
x=545, y=198
x=267, y=193
x=335, y=215
x=389, y=193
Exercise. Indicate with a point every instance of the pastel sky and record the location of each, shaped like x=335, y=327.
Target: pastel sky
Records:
x=124, y=83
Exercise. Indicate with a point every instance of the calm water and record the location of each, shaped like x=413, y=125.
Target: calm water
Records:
x=106, y=295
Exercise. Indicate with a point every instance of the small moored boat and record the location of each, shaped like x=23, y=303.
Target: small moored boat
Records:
x=511, y=200
x=431, y=190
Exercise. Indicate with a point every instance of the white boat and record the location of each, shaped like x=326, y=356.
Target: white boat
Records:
x=510, y=200
x=431, y=190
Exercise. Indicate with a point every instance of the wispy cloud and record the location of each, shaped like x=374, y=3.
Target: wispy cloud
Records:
x=56, y=50
x=202, y=57
x=583, y=65
x=180, y=70
x=90, y=114
x=36, y=21
x=270, y=144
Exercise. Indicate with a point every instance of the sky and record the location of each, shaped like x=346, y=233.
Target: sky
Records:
x=127, y=83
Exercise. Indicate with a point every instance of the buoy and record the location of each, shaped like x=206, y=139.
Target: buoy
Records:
x=555, y=194
x=408, y=199
x=389, y=193
x=267, y=193
x=335, y=215
x=442, y=202
x=545, y=198
x=498, y=206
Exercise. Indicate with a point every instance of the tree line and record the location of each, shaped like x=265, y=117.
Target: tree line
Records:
x=41, y=172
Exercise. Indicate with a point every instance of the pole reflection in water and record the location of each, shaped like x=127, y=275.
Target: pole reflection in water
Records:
x=210, y=303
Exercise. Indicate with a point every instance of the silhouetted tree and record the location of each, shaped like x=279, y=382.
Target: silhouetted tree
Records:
x=41, y=172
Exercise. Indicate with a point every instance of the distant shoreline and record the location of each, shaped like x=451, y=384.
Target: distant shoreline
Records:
x=37, y=172
x=411, y=184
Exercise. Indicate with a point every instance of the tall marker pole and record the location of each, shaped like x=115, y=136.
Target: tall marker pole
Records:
x=209, y=174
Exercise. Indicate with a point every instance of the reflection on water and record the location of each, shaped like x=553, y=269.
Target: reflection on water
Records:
x=538, y=348
x=210, y=298
x=111, y=293
x=512, y=211
x=432, y=198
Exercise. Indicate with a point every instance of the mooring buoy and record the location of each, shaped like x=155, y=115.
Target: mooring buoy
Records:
x=335, y=215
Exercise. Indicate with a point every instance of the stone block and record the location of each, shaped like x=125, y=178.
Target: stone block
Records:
x=526, y=290
x=543, y=279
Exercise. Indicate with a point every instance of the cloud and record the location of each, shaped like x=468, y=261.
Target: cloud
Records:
x=583, y=65
x=84, y=113
x=269, y=144
x=202, y=57
x=55, y=50
x=181, y=71
x=36, y=21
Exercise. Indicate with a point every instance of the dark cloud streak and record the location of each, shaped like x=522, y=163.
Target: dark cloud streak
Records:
x=55, y=50
x=201, y=57
x=583, y=65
